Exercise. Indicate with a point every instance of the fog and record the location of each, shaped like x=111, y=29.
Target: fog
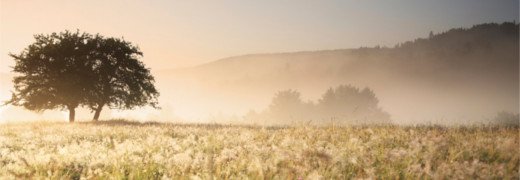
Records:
x=461, y=76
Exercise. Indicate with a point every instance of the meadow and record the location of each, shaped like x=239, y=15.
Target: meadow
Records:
x=124, y=150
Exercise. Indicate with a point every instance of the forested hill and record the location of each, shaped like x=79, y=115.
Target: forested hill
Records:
x=462, y=40
x=481, y=45
x=489, y=46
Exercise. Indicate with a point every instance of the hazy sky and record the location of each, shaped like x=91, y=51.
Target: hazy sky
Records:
x=185, y=33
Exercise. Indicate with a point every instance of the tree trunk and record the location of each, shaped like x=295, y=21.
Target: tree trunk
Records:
x=98, y=112
x=72, y=114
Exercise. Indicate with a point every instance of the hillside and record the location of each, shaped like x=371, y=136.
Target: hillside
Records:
x=463, y=74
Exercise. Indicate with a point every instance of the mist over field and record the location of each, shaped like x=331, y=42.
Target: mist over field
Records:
x=458, y=76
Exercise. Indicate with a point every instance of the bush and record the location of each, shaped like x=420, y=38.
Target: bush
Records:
x=505, y=118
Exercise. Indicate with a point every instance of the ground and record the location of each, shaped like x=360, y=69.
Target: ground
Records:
x=170, y=151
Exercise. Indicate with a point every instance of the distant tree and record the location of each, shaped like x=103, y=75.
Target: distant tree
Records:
x=350, y=102
x=288, y=105
x=345, y=102
x=122, y=81
x=54, y=72
x=505, y=118
x=287, y=100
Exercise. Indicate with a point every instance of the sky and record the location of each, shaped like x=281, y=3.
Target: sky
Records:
x=175, y=34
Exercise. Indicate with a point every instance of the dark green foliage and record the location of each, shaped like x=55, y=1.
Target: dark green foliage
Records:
x=71, y=69
x=54, y=72
x=122, y=81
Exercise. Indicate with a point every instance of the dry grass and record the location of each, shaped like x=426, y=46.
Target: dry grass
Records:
x=122, y=149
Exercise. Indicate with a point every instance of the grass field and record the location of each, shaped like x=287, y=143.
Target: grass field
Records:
x=153, y=151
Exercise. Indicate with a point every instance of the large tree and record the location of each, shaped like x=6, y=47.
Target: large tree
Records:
x=122, y=81
x=54, y=72
x=72, y=69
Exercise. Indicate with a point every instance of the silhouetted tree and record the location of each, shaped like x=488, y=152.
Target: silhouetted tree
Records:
x=68, y=70
x=122, y=81
x=55, y=72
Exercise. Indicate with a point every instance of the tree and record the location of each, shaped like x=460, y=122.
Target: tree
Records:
x=287, y=106
x=54, y=72
x=122, y=81
x=68, y=70
x=352, y=103
x=286, y=102
x=504, y=118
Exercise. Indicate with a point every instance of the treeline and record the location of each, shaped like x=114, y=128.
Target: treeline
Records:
x=344, y=104
x=481, y=35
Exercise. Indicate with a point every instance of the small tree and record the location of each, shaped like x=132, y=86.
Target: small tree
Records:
x=504, y=118
x=287, y=105
x=54, y=72
x=349, y=102
x=287, y=101
x=122, y=81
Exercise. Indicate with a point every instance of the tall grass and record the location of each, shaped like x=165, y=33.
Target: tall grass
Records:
x=128, y=150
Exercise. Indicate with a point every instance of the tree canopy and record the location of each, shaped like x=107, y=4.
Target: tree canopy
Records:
x=349, y=102
x=71, y=69
x=288, y=105
x=122, y=81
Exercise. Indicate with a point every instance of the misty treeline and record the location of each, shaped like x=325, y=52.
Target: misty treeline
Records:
x=344, y=104
x=71, y=69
